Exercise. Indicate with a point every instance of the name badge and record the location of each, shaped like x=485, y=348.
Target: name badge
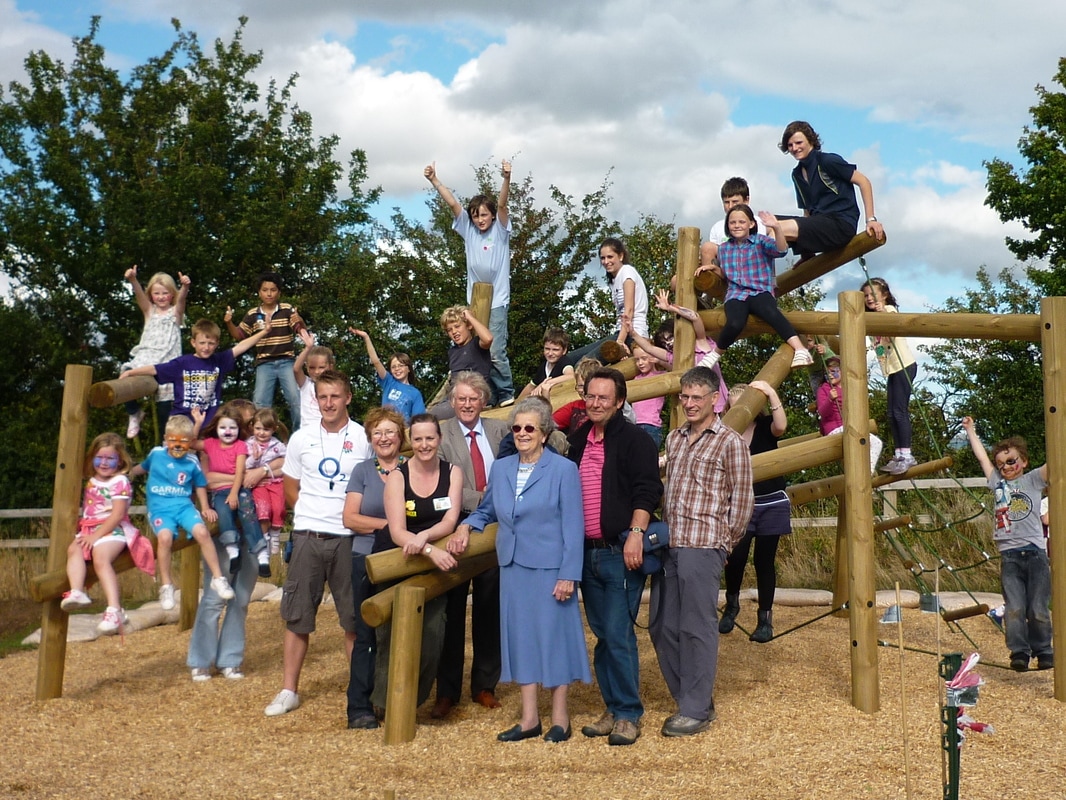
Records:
x=442, y=503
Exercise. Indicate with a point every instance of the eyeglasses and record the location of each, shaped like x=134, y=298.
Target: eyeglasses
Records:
x=526, y=428
x=1007, y=462
x=693, y=398
x=384, y=434
x=598, y=398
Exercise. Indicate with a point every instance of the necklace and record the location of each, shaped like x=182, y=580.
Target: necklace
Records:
x=377, y=465
x=330, y=467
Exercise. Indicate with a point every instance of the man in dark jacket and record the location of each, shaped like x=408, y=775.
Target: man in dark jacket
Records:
x=620, y=488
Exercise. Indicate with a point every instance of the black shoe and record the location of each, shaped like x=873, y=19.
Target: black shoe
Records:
x=516, y=734
x=1019, y=664
x=764, y=631
x=557, y=734
x=1047, y=662
x=264, y=570
x=234, y=565
x=365, y=722
x=729, y=613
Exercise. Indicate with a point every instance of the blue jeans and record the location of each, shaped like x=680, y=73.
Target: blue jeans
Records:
x=209, y=644
x=612, y=599
x=1026, y=578
x=269, y=375
x=227, y=525
x=502, y=382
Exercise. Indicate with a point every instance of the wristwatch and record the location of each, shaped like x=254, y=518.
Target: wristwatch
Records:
x=871, y=219
x=636, y=529
x=427, y=549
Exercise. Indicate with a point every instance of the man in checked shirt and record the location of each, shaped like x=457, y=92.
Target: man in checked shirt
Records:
x=707, y=506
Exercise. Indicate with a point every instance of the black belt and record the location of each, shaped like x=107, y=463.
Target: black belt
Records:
x=316, y=534
x=597, y=544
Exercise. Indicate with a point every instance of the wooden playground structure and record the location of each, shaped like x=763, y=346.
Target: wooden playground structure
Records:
x=853, y=584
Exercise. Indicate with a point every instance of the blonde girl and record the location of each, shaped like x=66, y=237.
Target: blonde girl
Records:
x=163, y=306
x=105, y=530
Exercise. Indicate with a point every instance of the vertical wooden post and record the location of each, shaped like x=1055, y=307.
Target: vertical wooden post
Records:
x=405, y=654
x=858, y=498
x=188, y=565
x=66, y=502
x=688, y=258
x=1053, y=342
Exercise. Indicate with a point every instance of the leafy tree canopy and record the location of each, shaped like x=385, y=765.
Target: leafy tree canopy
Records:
x=1037, y=196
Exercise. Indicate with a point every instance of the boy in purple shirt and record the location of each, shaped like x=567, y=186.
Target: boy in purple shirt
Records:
x=197, y=377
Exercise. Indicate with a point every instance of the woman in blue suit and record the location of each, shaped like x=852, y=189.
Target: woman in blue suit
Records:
x=535, y=496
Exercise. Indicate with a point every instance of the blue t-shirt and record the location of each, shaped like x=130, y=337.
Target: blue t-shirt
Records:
x=197, y=381
x=488, y=257
x=171, y=478
x=404, y=397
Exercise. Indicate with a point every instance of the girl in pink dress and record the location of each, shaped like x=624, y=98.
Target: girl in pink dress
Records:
x=105, y=530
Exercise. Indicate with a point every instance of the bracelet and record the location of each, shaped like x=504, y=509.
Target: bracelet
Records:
x=776, y=408
x=270, y=472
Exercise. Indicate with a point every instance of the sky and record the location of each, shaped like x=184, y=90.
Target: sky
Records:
x=669, y=98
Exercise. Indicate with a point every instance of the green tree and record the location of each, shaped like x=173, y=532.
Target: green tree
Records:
x=998, y=383
x=186, y=165
x=1037, y=196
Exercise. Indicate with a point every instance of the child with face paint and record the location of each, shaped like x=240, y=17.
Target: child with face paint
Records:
x=223, y=458
x=174, y=474
x=105, y=530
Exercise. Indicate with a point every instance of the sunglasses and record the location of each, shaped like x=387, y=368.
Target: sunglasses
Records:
x=526, y=428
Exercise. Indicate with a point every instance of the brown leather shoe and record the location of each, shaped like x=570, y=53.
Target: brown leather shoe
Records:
x=487, y=699
x=601, y=727
x=442, y=708
x=626, y=731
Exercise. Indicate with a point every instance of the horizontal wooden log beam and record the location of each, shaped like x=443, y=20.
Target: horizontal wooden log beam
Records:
x=114, y=392
x=377, y=609
x=810, y=491
x=391, y=565
x=941, y=325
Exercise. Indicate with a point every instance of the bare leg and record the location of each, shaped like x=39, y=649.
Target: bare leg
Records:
x=293, y=654
x=207, y=548
x=104, y=555
x=165, y=541
x=530, y=714
x=560, y=714
x=76, y=570
x=790, y=228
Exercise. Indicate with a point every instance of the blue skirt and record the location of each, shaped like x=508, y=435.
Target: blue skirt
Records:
x=541, y=639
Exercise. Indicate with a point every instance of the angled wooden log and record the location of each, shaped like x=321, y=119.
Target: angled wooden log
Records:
x=1021, y=327
x=752, y=401
x=377, y=609
x=810, y=270
x=800, y=456
x=802, y=493
x=114, y=392
x=391, y=565
x=814, y=268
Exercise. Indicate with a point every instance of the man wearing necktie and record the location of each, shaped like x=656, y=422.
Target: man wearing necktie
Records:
x=471, y=443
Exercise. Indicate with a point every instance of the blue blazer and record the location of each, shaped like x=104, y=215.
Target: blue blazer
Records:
x=544, y=528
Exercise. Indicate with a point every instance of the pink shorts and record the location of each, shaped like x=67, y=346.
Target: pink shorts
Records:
x=270, y=502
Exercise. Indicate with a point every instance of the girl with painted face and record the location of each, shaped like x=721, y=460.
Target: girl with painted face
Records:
x=223, y=459
x=105, y=530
